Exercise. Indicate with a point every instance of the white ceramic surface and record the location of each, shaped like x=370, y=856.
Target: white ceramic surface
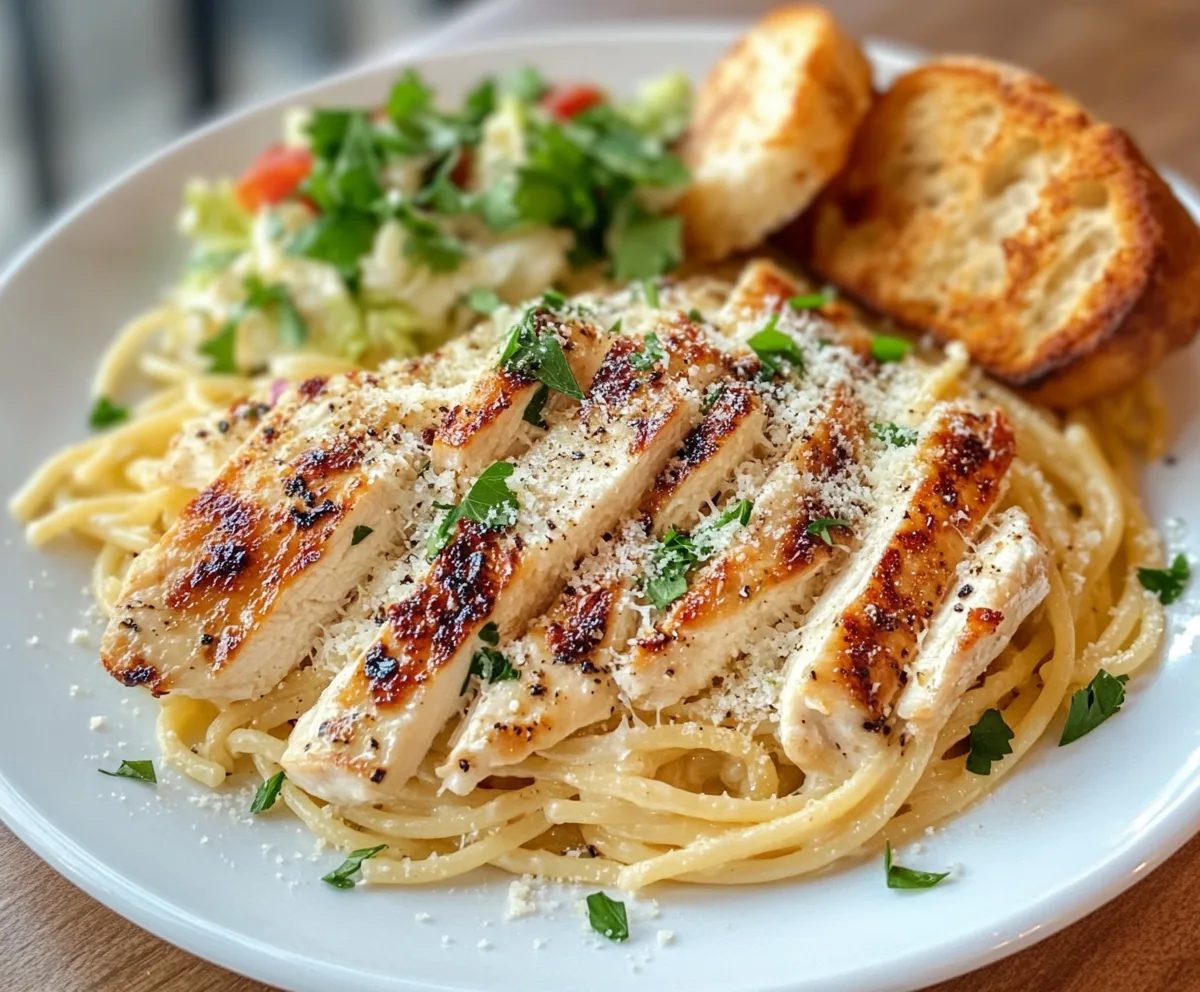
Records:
x=1069, y=830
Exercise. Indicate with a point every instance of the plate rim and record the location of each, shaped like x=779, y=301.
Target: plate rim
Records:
x=1103, y=881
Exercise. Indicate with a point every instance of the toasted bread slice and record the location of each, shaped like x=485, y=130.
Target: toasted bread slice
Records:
x=983, y=205
x=774, y=122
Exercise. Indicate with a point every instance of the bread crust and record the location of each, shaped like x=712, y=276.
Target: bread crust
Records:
x=774, y=122
x=1090, y=288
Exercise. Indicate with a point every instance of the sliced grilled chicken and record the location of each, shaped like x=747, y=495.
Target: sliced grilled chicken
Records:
x=371, y=727
x=480, y=430
x=561, y=667
x=204, y=444
x=769, y=568
x=233, y=595
x=997, y=586
x=841, y=684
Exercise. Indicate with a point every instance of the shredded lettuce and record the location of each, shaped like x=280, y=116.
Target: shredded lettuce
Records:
x=213, y=218
x=663, y=106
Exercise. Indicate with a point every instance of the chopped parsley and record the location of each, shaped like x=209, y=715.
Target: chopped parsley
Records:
x=1092, y=705
x=539, y=356
x=489, y=633
x=888, y=348
x=106, y=413
x=1166, y=583
x=651, y=354
x=695, y=316
x=607, y=916
x=678, y=553
x=821, y=527
x=525, y=83
x=775, y=350
x=894, y=434
x=492, y=666
x=143, y=771
x=990, y=737
x=342, y=877
x=650, y=292
x=361, y=533
x=267, y=793
x=534, y=408
x=488, y=502
x=908, y=878
x=812, y=301
x=713, y=398
x=552, y=299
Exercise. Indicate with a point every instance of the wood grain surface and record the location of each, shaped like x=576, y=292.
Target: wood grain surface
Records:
x=1135, y=63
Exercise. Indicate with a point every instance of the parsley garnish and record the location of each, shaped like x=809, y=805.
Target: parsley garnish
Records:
x=552, y=299
x=908, y=878
x=990, y=738
x=886, y=348
x=1166, y=583
x=695, y=316
x=650, y=292
x=774, y=349
x=143, y=771
x=483, y=300
x=489, y=633
x=894, y=434
x=488, y=502
x=607, y=916
x=534, y=408
x=651, y=354
x=678, y=553
x=646, y=244
x=820, y=528
x=539, y=356
x=713, y=397
x=221, y=349
x=812, y=301
x=106, y=413
x=342, y=876
x=616, y=327
x=259, y=296
x=525, y=83
x=361, y=533
x=492, y=666
x=1092, y=705
x=267, y=793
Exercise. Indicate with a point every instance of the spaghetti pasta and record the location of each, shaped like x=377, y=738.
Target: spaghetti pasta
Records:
x=635, y=802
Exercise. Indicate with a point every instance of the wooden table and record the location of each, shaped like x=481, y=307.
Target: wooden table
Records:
x=1136, y=63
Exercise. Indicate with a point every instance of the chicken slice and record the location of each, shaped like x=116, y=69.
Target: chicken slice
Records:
x=841, y=683
x=235, y=592
x=769, y=568
x=562, y=665
x=205, y=443
x=997, y=586
x=374, y=723
x=480, y=430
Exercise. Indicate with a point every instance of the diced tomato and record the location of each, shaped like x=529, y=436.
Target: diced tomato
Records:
x=273, y=176
x=460, y=175
x=565, y=102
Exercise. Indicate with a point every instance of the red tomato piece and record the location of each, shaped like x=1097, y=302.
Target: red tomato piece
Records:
x=565, y=102
x=273, y=176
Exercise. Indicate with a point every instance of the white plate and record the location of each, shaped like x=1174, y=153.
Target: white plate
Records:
x=1070, y=830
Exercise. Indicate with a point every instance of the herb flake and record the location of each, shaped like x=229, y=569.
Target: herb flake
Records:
x=908, y=878
x=607, y=917
x=267, y=793
x=342, y=877
x=889, y=348
x=106, y=413
x=1166, y=583
x=822, y=525
x=361, y=533
x=143, y=771
x=1092, y=705
x=990, y=737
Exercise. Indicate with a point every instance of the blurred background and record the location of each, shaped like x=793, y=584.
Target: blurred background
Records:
x=88, y=87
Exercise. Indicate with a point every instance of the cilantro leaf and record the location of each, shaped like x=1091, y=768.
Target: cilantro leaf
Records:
x=440, y=535
x=339, y=239
x=1092, y=705
x=267, y=793
x=539, y=356
x=553, y=369
x=525, y=83
x=607, y=916
x=222, y=348
x=651, y=354
x=990, y=738
x=534, y=408
x=492, y=666
x=143, y=771
x=426, y=243
x=106, y=413
x=409, y=97
x=342, y=877
x=489, y=501
x=887, y=348
x=821, y=526
x=894, y=434
x=774, y=348
x=908, y=878
x=713, y=397
x=489, y=633
x=483, y=300
x=740, y=511
x=1166, y=583
x=677, y=554
x=645, y=245
x=812, y=301
x=361, y=533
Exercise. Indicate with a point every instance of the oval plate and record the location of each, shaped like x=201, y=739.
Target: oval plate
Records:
x=1071, y=829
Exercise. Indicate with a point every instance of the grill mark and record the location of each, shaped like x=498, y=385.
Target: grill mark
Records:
x=424, y=631
x=464, y=422
x=981, y=622
x=582, y=627
x=616, y=381
x=879, y=633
